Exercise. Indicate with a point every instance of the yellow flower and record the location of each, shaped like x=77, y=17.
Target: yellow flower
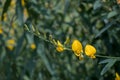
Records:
x=10, y=44
x=118, y=1
x=26, y=15
x=77, y=47
x=33, y=46
x=90, y=51
x=117, y=77
x=59, y=47
x=23, y=2
x=1, y=30
x=13, y=3
x=5, y=16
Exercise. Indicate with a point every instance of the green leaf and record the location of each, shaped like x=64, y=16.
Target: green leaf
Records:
x=67, y=3
x=29, y=37
x=2, y=56
x=19, y=12
x=5, y=7
x=41, y=52
x=97, y=4
x=112, y=14
x=105, y=28
x=108, y=66
x=19, y=46
x=105, y=61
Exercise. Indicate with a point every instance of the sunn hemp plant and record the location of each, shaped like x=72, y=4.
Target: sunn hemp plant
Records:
x=77, y=48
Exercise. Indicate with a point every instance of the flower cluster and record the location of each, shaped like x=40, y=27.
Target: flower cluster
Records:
x=77, y=48
x=59, y=47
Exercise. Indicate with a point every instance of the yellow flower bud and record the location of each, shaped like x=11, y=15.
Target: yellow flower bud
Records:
x=77, y=47
x=90, y=51
x=33, y=46
x=5, y=17
x=59, y=47
x=13, y=3
x=81, y=57
x=117, y=77
x=1, y=30
x=26, y=15
x=23, y=2
x=11, y=41
x=10, y=44
x=54, y=42
x=59, y=44
x=67, y=41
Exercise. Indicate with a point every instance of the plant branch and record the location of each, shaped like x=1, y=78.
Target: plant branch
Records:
x=118, y=58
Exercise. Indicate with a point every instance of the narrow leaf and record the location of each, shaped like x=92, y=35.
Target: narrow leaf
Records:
x=105, y=61
x=19, y=12
x=41, y=51
x=5, y=7
x=67, y=3
x=105, y=28
x=108, y=66
x=19, y=47
x=97, y=4
x=112, y=14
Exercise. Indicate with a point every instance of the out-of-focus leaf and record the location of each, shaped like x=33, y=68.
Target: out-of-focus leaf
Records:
x=26, y=77
x=105, y=28
x=97, y=4
x=105, y=61
x=2, y=55
x=29, y=37
x=19, y=12
x=112, y=14
x=31, y=67
x=5, y=8
x=19, y=44
x=67, y=2
x=41, y=52
x=108, y=66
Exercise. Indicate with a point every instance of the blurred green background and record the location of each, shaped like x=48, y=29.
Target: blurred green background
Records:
x=24, y=56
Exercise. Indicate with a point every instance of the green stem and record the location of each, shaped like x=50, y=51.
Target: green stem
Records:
x=118, y=58
x=68, y=49
x=39, y=36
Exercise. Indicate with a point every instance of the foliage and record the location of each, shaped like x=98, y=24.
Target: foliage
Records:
x=36, y=38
